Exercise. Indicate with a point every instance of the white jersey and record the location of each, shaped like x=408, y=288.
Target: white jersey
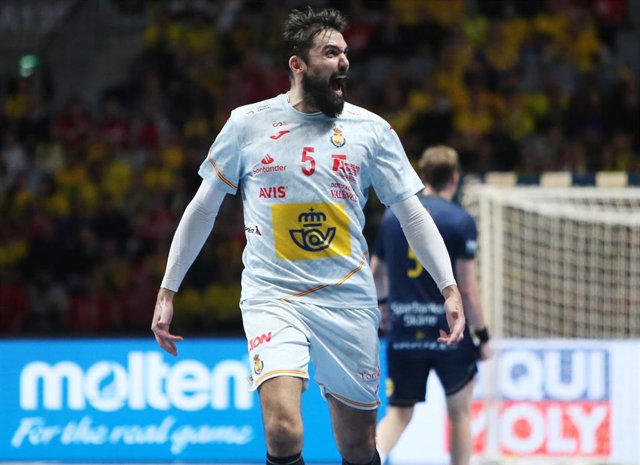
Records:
x=304, y=180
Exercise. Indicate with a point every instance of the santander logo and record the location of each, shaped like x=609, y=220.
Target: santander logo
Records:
x=267, y=166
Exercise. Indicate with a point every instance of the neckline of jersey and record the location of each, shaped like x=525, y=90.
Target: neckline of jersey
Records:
x=315, y=116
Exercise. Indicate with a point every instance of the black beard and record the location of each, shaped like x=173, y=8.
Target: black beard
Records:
x=319, y=94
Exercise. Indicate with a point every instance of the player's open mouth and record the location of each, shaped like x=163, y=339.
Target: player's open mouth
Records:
x=338, y=84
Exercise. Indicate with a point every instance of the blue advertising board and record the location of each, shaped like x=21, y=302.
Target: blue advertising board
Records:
x=127, y=400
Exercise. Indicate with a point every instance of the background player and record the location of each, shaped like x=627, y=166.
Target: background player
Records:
x=413, y=313
x=303, y=162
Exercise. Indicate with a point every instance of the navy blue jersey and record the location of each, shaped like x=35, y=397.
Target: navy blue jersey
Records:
x=415, y=303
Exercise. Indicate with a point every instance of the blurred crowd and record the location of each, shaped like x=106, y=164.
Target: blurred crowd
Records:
x=89, y=198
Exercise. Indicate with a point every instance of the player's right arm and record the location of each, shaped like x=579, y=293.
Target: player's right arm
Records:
x=468, y=284
x=192, y=232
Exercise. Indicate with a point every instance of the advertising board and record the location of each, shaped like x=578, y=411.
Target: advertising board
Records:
x=126, y=400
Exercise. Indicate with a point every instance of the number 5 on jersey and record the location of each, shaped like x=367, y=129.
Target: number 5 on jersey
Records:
x=308, y=170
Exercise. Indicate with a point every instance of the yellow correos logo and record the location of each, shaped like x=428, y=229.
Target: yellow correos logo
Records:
x=308, y=231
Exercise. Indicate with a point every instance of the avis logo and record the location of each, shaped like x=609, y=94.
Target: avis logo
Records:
x=276, y=192
x=267, y=160
x=311, y=237
x=259, y=340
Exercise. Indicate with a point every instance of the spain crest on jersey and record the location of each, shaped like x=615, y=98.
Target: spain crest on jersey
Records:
x=337, y=138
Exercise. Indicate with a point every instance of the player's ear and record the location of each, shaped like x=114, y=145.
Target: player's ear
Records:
x=456, y=177
x=297, y=64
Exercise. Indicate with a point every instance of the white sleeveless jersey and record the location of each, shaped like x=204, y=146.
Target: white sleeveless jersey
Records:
x=304, y=180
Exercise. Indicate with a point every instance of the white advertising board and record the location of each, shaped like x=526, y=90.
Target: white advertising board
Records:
x=541, y=401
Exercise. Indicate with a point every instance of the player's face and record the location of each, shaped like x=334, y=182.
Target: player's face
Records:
x=325, y=80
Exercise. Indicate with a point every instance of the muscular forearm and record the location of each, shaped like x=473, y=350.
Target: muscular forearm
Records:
x=467, y=282
x=473, y=310
x=192, y=231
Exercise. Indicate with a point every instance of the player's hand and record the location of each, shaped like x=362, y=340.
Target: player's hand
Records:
x=455, y=316
x=162, y=316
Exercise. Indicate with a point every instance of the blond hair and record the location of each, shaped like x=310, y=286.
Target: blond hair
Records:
x=438, y=165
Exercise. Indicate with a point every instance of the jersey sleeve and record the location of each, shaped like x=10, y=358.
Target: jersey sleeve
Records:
x=392, y=176
x=222, y=166
x=469, y=237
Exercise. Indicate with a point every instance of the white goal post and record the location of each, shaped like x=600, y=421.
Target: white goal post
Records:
x=558, y=262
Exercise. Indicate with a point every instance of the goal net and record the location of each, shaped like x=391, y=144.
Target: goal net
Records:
x=558, y=262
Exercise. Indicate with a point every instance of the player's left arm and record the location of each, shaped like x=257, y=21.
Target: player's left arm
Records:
x=192, y=232
x=468, y=284
x=425, y=239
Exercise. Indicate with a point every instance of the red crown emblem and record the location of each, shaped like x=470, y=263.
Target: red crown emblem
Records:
x=267, y=160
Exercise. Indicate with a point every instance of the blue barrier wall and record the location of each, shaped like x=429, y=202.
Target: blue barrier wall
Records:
x=125, y=399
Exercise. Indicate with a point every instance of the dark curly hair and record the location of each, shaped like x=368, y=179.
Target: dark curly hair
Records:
x=303, y=26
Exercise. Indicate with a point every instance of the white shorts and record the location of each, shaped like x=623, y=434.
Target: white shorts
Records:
x=342, y=345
